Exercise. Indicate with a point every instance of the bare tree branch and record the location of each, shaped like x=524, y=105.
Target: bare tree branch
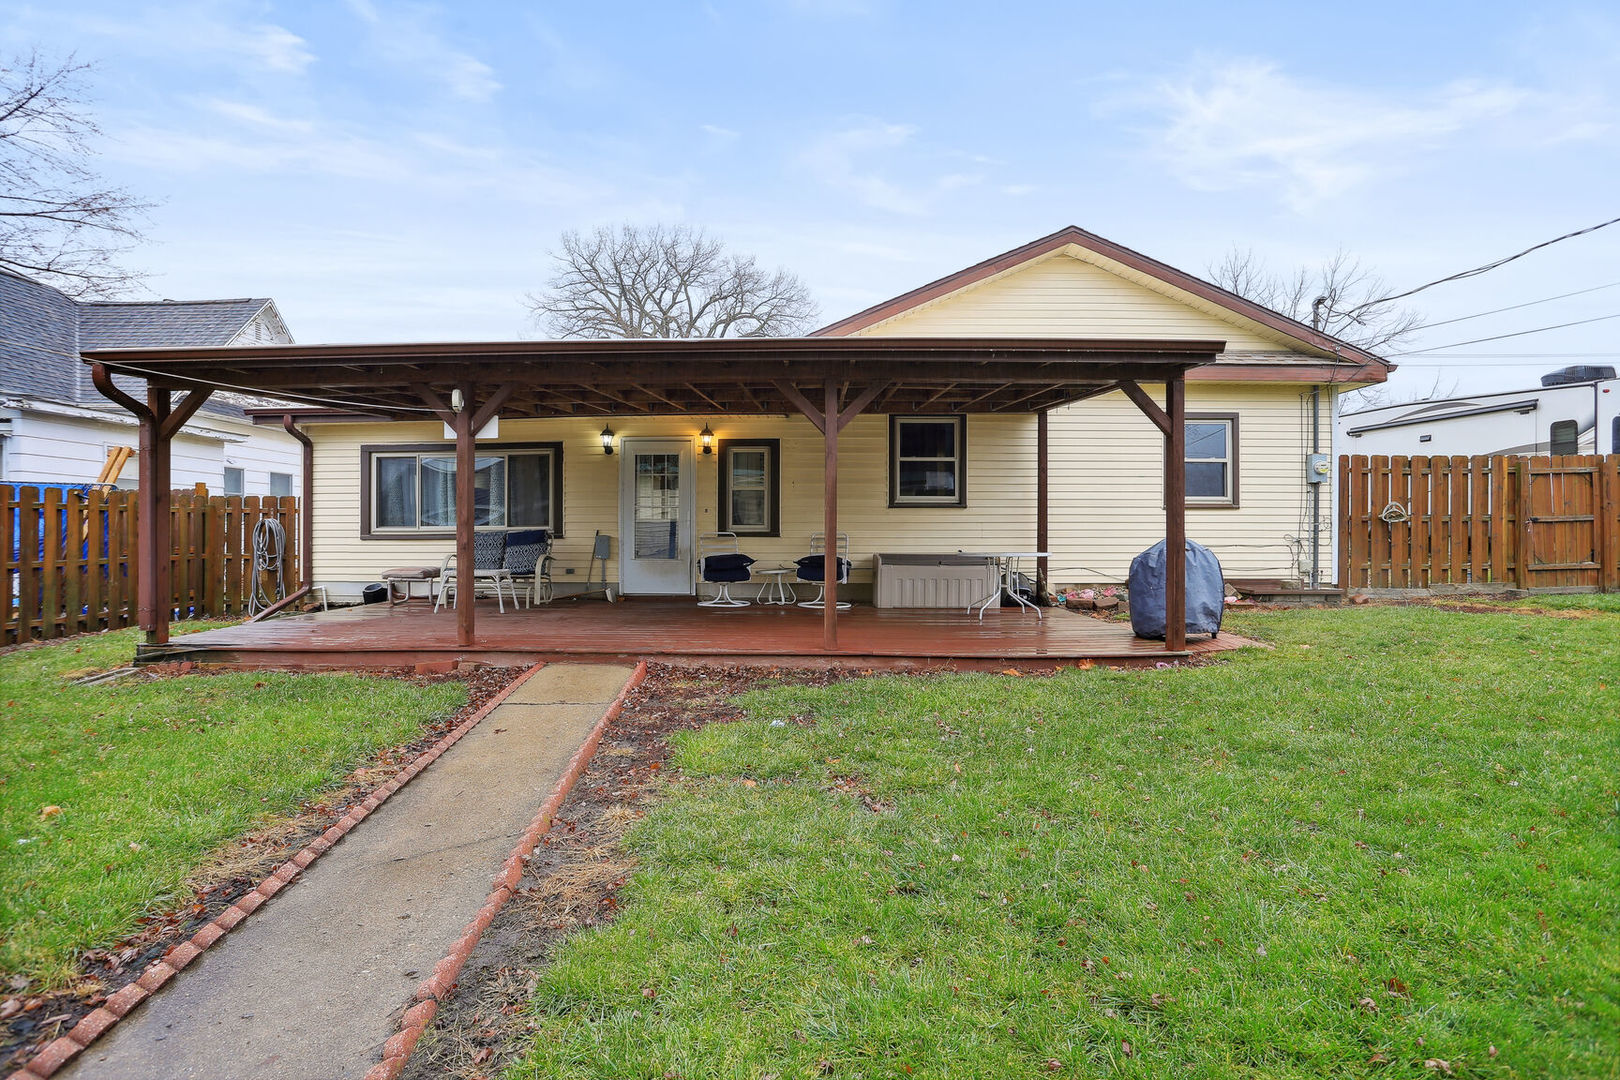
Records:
x=56, y=222
x=1326, y=298
x=666, y=282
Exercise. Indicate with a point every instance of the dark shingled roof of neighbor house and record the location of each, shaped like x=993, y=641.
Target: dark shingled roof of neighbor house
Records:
x=114, y=325
x=42, y=332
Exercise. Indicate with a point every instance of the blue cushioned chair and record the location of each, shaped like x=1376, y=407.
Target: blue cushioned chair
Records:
x=720, y=564
x=813, y=568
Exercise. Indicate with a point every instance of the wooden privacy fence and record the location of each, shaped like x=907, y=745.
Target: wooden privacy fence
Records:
x=69, y=564
x=1528, y=522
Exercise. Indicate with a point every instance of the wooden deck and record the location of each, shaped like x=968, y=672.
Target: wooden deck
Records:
x=377, y=635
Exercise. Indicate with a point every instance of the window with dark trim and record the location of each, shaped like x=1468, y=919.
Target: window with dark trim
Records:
x=409, y=490
x=927, y=461
x=1564, y=438
x=750, y=486
x=1212, y=459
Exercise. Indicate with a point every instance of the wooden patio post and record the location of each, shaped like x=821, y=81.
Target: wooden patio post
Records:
x=829, y=524
x=1175, y=514
x=1043, y=493
x=306, y=520
x=466, y=493
x=154, y=590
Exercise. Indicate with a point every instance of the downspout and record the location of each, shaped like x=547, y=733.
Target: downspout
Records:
x=306, y=517
x=1316, y=491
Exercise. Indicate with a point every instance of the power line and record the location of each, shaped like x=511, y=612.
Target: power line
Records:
x=1515, y=307
x=1487, y=268
x=1612, y=353
x=1500, y=337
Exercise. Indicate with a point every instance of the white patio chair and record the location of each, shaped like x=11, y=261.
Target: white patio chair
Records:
x=721, y=564
x=812, y=568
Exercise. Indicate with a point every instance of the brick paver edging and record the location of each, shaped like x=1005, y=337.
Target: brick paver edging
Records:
x=60, y=1051
x=440, y=985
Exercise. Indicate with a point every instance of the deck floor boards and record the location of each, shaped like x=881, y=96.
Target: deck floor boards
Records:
x=376, y=633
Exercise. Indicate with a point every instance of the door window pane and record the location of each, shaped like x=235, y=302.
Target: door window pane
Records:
x=657, y=506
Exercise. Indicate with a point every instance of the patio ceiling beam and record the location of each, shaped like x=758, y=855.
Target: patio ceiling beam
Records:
x=435, y=401
x=1149, y=407
x=811, y=413
x=491, y=406
x=188, y=408
x=862, y=400
x=622, y=400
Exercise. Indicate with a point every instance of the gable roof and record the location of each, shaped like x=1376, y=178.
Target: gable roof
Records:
x=1291, y=329
x=116, y=325
x=43, y=330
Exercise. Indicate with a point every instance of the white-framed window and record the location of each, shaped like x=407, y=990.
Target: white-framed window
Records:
x=235, y=481
x=750, y=474
x=927, y=461
x=280, y=483
x=412, y=489
x=1564, y=438
x=1212, y=459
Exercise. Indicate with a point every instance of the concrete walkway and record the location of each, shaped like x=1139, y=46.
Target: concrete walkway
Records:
x=311, y=985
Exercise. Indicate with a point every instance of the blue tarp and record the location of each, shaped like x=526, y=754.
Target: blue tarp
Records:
x=39, y=538
x=1206, y=591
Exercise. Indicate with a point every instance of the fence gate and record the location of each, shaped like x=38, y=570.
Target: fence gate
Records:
x=1561, y=541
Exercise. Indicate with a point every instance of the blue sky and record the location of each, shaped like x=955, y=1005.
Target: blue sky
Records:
x=394, y=171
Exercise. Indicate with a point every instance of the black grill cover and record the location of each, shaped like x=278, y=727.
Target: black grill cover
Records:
x=1206, y=591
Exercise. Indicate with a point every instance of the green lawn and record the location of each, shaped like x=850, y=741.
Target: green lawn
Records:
x=152, y=777
x=1389, y=843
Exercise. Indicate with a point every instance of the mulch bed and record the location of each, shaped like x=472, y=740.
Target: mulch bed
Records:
x=31, y=1021
x=573, y=880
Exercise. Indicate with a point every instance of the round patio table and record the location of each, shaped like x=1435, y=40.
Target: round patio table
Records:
x=775, y=589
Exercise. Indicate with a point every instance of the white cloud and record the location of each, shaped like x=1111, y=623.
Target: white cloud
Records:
x=1248, y=123
x=724, y=134
x=254, y=116
x=840, y=160
x=406, y=38
x=200, y=35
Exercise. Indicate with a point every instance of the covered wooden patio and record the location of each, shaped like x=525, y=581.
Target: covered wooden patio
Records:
x=377, y=635
x=827, y=380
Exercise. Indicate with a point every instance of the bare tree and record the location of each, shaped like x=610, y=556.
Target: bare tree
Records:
x=57, y=221
x=1341, y=297
x=666, y=282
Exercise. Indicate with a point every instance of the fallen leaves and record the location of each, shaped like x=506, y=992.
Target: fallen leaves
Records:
x=49, y=811
x=1439, y=1065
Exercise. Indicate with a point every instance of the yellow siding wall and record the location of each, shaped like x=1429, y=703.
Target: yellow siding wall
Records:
x=1001, y=491
x=1108, y=484
x=1062, y=296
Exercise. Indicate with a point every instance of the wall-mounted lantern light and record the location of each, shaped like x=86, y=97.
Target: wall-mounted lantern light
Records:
x=707, y=437
x=607, y=439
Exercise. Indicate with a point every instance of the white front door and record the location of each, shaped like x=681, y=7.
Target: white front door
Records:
x=655, y=517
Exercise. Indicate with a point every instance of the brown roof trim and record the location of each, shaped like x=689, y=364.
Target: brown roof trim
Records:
x=1072, y=234
x=645, y=350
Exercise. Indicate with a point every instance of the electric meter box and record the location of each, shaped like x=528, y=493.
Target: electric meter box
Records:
x=1317, y=468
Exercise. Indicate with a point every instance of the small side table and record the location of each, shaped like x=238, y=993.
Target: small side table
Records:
x=775, y=590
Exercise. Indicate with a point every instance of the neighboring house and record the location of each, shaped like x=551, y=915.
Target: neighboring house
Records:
x=911, y=480
x=1575, y=410
x=56, y=429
